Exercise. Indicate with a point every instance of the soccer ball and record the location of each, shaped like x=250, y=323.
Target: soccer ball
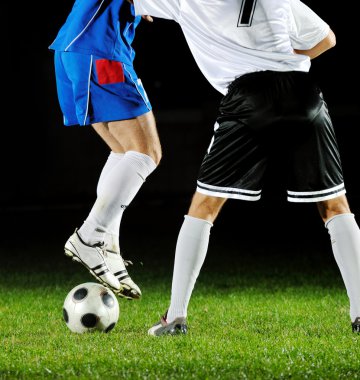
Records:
x=90, y=307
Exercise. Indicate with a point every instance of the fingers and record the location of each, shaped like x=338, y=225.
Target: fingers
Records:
x=147, y=18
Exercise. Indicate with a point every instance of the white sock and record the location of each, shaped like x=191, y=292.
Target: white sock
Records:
x=112, y=235
x=191, y=249
x=117, y=190
x=111, y=162
x=345, y=240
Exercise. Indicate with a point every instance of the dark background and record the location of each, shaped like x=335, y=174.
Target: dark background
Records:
x=50, y=172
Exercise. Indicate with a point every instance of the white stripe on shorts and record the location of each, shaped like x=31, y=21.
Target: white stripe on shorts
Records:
x=316, y=196
x=228, y=192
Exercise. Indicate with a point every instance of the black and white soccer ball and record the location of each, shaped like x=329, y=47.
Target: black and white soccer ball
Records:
x=91, y=307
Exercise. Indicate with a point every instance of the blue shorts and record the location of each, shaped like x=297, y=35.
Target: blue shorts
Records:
x=92, y=89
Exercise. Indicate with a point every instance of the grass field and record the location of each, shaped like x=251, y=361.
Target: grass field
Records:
x=260, y=310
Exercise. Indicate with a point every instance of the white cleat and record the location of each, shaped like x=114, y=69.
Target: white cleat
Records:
x=177, y=327
x=117, y=266
x=92, y=258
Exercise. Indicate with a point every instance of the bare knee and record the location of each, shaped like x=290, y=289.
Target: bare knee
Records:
x=205, y=207
x=148, y=141
x=332, y=207
x=139, y=135
x=151, y=150
x=155, y=153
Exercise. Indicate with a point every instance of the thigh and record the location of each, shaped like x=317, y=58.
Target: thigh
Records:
x=102, y=129
x=332, y=207
x=138, y=134
x=206, y=207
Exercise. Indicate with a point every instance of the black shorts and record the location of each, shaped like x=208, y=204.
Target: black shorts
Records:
x=273, y=113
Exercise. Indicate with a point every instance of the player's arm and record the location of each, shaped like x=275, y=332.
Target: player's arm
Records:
x=309, y=34
x=325, y=44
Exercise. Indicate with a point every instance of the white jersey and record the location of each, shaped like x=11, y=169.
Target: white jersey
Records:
x=229, y=38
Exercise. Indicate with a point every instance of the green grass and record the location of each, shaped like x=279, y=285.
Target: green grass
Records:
x=254, y=314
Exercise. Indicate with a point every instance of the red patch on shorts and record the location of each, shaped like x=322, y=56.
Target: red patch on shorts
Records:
x=109, y=71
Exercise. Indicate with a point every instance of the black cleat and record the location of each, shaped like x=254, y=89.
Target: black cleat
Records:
x=356, y=325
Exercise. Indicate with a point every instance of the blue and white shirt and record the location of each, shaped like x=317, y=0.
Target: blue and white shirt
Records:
x=105, y=28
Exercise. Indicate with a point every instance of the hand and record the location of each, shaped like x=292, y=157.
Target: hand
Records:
x=147, y=18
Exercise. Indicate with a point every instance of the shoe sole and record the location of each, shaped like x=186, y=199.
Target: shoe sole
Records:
x=173, y=329
x=126, y=293
x=77, y=259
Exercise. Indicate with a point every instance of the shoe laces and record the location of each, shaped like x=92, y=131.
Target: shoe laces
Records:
x=126, y=262
x=103, y=247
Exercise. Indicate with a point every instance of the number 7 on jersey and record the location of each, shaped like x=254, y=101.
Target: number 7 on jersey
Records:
x=247, y=9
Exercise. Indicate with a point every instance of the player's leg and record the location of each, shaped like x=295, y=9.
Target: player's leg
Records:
x=118, y=187
x=224, y=174
x=135, y=129
x=99, y=87
x=190, y=253
x=317, y=177
x=345, y=242
x=145, y=140
x=119, y=183
x=139, y=134
x=67, y=67
x=191, y=250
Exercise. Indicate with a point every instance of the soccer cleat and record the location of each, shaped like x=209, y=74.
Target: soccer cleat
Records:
x=177, y=327
x=356, y=325
x=92, y=258
x=117, y=266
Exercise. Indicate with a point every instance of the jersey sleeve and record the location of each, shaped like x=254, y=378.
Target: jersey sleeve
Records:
x=168, y=9
x=307, y=29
